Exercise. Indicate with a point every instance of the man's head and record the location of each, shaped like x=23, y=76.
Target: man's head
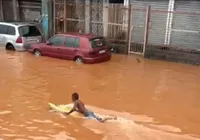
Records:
x=75, y=96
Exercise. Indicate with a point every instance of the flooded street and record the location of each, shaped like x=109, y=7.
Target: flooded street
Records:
x=154, y=100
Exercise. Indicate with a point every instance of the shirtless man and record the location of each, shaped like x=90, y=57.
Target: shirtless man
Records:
x=80, y=107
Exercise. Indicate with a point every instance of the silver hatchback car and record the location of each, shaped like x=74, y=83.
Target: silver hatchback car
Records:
x=18, y=36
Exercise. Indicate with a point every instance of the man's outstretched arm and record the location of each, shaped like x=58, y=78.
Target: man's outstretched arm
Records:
x=73, y=109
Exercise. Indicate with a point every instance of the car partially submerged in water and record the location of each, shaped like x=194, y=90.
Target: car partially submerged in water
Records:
x=19, y=35
x=82, y=48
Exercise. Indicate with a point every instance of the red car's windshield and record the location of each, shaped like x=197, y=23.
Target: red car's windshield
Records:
x=98, y=42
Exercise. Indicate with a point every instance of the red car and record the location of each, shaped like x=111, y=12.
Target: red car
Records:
x=82, y=48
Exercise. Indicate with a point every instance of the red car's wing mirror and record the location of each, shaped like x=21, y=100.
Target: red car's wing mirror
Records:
x=48, y=43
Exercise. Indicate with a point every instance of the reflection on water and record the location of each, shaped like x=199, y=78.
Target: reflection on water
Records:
x=153, y=100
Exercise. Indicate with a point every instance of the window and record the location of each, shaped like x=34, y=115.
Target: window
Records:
x=77, y=43
x=72, y=42
x=11, y=30
x=26, y=31
x=98, y=42
x=57, y=40
x=3, y=29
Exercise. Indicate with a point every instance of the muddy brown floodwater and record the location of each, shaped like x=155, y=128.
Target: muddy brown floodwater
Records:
x=154, y=100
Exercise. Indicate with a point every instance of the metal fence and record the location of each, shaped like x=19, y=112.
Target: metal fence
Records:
x=109, y=20
x=132, y=28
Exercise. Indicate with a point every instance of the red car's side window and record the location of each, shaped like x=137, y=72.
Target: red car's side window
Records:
x=57, y=40
x=72, y=42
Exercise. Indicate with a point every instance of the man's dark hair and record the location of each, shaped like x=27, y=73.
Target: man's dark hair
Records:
x=75, y=96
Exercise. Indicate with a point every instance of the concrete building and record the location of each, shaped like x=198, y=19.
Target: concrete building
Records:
x=180, y=29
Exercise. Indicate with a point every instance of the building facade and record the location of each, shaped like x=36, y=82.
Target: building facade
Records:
x=179, y=28
x=26, y=10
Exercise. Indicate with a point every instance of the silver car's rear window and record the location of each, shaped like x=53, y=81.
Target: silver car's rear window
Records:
x=28, y=31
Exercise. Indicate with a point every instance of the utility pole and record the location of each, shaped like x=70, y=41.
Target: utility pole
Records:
x=129, y=26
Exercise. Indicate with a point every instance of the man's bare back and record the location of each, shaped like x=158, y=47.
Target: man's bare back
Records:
x=80, y=107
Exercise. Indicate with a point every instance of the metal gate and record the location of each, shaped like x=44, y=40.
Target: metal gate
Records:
x=138, y=30
x=30, y=10
x=65, y=16
x=96, y=19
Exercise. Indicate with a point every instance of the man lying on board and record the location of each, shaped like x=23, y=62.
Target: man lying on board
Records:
x=80, y=107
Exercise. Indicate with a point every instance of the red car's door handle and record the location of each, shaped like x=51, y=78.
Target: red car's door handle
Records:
x=58, y=48
x=75, y=50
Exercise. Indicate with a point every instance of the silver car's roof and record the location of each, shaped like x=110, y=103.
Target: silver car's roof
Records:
x=15, y=24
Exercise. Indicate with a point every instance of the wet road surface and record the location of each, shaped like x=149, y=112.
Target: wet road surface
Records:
x=154, y=100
